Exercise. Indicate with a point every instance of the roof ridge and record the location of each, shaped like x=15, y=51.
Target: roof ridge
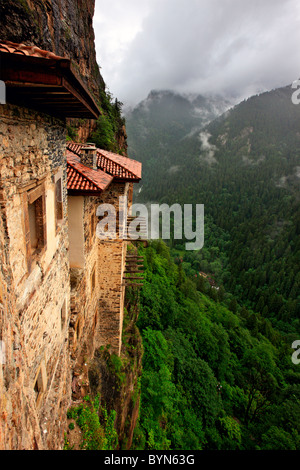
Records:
x=78, y=171
x=83, y=173
x=117, y=163
x=118, y=155
x=125, y=167
x=130, y=173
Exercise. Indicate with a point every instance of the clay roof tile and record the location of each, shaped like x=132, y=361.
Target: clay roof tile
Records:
x=82, y=178
x=118, y=166
x=23, y=49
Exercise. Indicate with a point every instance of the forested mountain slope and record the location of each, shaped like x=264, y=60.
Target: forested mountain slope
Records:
x=245, y=168
x=163, y=119
x=214, y=377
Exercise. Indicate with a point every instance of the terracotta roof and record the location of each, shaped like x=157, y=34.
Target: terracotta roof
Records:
x=42, y=80
x=122, y=168
x=118, y=165
x=75, y=148
x=22, y=49
x=81, y=178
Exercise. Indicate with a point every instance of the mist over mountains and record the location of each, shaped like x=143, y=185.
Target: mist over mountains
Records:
x=242, y=162
x=230, y=311
x=166, y=108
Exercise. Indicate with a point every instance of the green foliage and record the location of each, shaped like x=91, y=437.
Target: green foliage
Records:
x=116, y=366
x=71, y=133
x=231, y=432
x=209, y=381
x=109, y=123
x=111, y=436
x=88, y=421
x=217, y=365
x=277, y=439
x=96, y=425
x=104, y=136
x=250, y=194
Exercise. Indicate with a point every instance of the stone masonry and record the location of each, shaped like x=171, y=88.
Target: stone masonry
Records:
x=35, y=283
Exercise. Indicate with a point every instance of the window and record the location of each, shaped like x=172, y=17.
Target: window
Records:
x=35, y=213
x=40, y=383
x=58, y=203
x=92, y=230
x=63, y=314
x=59, y=209
x=93, y=279
x=93, y=224
x=38, y=386
x=78, y=330
x=35, y=223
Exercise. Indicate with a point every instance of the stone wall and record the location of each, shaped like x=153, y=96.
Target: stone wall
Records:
x=97, y=311
x=84, y=296
x=111, y=258
x=111, y=265
x=17, y=429
x=36, y=304
x=35, y=380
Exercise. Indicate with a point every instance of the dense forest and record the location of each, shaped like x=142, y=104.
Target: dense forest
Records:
x=214, y=376
x=218, y=323
x=245, y=168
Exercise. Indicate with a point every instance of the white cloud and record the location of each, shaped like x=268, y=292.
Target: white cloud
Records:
x=116, y=26
x=207, y=149
x=197, y=46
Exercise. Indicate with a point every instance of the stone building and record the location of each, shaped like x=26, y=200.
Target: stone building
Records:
x=97, y=177
x=57, y=280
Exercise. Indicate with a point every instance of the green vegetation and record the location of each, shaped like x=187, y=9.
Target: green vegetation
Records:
x=215, y=375
x=72, y=133
x=249, y=186
x=96, y=425
x=218, y=324
x=109, y=124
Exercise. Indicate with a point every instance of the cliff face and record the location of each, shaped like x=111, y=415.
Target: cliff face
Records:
x=64, y=27
x=119, y=384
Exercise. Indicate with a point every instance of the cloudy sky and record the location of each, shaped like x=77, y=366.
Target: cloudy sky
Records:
x=236, y=47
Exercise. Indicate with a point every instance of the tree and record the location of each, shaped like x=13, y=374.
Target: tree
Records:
x=233, y=305
x=258, y=369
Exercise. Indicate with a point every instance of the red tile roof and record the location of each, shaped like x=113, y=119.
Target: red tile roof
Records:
x=119, y=166
x=74, y=147
x=42, y=80
x=83, y=179
x=122, y=168
x=22, y=49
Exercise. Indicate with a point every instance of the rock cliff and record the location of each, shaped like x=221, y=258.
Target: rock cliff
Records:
x=64, y=27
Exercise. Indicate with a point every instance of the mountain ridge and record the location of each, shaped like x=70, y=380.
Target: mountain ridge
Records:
x=244, y=167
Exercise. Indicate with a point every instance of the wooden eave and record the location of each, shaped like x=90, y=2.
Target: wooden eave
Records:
x=49, y=85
